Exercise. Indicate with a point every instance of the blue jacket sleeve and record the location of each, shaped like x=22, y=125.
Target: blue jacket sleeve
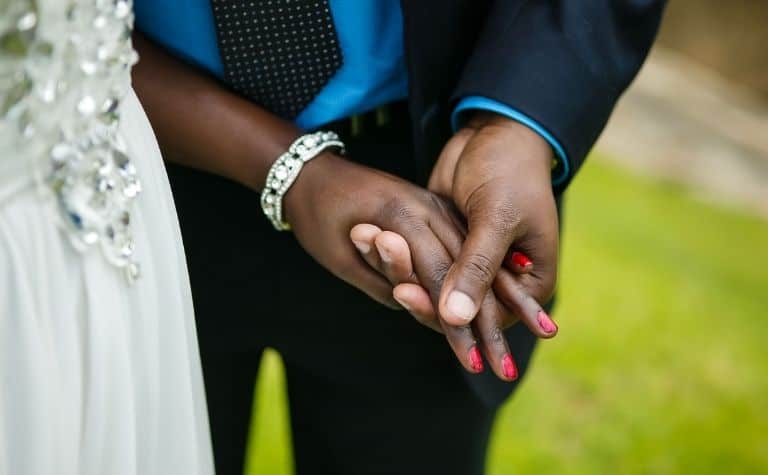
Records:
x=562, y=64
x=561, y=166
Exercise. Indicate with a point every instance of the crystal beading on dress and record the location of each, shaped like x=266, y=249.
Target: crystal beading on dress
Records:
x=64, y=70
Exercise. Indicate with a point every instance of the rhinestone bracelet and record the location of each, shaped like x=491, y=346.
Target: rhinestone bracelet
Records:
x=287, y=167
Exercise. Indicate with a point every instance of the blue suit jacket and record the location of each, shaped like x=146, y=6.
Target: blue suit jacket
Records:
x=564, y=63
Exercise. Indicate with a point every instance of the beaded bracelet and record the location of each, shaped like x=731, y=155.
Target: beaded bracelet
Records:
x=287, y=167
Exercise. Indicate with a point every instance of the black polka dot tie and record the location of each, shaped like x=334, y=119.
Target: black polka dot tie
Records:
x=279, y=53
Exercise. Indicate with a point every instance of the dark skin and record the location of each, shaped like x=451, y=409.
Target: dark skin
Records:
x=483, y=147
x=183, y=104
x=532, y=226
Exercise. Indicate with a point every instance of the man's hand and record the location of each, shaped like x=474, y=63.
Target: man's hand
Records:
x=497, y=172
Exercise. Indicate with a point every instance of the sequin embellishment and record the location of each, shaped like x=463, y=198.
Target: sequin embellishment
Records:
x=64, y=70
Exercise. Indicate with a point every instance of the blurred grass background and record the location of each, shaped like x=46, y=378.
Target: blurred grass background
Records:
x=661, y=362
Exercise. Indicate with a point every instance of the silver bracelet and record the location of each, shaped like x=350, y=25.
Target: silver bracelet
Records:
x=287, y=167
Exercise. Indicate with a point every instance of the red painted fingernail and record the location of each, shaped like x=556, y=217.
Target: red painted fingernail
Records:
x=520, y=259
x=546, y=323
x=508, y=367
x=475, y=360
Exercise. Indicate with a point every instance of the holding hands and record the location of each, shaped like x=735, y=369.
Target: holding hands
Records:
x=334, y=194
x=496, y=173
x=444, y=254
x=489, y=193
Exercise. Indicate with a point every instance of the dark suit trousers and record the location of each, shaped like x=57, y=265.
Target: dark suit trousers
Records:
x=370, y=390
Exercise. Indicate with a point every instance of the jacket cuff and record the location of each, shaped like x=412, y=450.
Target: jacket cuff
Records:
x=560, y=166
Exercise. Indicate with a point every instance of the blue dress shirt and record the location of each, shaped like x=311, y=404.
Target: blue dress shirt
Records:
x=370, y=34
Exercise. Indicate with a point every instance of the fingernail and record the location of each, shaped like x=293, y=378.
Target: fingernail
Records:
x=363, y=247
x=519, y=259
x=545, y=322
x=475, y=360
x=508, y=367
x=384, y=254
x=460, y=305
x=403, y=304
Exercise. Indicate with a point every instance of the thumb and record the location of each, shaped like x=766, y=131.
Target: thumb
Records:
x=474, y=270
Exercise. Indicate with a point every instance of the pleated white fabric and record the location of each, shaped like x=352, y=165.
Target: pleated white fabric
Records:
x=98, y=377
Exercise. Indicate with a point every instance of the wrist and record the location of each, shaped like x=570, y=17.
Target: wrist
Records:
x=261, y=158
x=315, y=175
x=286, y=170
x=529, y=152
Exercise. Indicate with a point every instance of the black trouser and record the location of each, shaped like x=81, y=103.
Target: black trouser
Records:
x=371, y=391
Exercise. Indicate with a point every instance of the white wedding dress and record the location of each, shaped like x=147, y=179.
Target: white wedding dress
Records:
x=99, y=366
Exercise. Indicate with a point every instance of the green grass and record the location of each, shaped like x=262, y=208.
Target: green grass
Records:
x=661, y=364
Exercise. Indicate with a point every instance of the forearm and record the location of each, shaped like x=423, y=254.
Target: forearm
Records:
x=563, y=65
x=200, y=124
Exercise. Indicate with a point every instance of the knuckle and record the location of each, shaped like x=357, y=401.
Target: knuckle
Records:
x=479, y=268
x=497, y=209
x=460, y=334
x=438, y=271
x=496, y=335
x=398, y=210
